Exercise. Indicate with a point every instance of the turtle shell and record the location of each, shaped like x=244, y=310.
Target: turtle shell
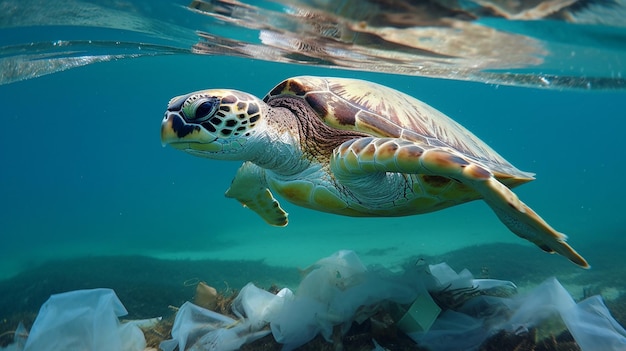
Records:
x=370, y=108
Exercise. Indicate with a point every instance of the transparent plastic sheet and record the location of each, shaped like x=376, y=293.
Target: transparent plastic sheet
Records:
x=297, y=323
x=545, y=301
x=452, y=331
x=199, y=329
x=337, y=291
x=82, y=320
x=258, y=305
x=467, y=327
x=19, y=339
x=589, y=321
x=446, y=276
x=593, y=327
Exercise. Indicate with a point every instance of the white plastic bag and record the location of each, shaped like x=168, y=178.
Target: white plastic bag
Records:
x=83, y=320
x=336, y=291
x=196, y=328
x=299, y=321
x=452, y=331
x=593, y=327
x=258, y=306
x=589, y=321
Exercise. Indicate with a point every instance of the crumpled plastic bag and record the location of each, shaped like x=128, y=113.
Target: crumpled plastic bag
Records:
x=337, y=291
x=196, y=328
x=593, y=327
x=300, y=321
x=334, y=292
x=83, y=320
x=443, y=277
x=446, y=277
x=589, y=321
x=258, y=306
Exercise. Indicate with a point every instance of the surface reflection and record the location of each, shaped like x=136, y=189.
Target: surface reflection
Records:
x=557, y=43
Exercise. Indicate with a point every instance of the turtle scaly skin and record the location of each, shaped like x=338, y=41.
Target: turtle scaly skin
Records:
x=353, y=148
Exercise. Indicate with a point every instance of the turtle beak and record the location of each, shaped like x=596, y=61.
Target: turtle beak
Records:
x=185, y=136
x=168, y=134
x=173, y=123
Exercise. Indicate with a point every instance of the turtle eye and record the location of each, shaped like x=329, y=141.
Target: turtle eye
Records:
x=202, y=109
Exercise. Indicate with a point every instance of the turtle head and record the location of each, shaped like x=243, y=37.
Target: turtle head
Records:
x=217, y=123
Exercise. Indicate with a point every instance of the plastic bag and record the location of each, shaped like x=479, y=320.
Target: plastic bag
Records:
x=196, y=328
x=593, y=327
x=336, y=291
x=452, y=331
x=446, y=277
x=589, y=321
x=83, y=320
x=258, y=306
x=299, y=321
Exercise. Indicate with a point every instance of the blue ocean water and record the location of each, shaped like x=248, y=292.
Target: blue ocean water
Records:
x=83, y=174
x=84, y=171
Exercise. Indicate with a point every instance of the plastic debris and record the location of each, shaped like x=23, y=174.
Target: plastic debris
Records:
x=377, y=346
x=19, y=339
x=336, y=292
x=81, y=320
x=593, y=327
x=339, y=290
x=258, y=306
x=420, y=316
x=196, y=328
x=589, y=321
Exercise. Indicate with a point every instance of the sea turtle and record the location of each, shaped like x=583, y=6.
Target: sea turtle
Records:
x=350, y=147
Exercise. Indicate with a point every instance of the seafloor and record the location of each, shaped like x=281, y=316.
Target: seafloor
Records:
x=151, y=287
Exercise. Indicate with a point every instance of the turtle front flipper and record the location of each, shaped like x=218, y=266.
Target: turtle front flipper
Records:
x=249, y=187
x=376, y=155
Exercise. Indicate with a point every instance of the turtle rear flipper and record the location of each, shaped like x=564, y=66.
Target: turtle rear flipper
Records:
x=250, y=189
x=524, y=222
